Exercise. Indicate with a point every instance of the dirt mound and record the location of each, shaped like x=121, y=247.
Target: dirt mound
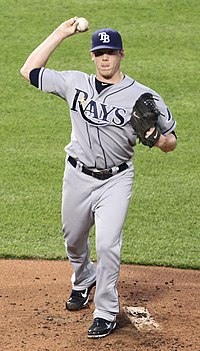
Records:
x=33, y=315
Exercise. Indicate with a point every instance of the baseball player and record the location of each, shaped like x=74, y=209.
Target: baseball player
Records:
x=98, y=175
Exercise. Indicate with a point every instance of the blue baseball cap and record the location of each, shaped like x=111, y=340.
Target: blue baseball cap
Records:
x=106, y=38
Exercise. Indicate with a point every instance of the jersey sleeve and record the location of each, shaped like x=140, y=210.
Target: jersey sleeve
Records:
x=166, y=121
x=51, y=81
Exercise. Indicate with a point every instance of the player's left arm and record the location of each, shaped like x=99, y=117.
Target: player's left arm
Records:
x=168, y=140
x=167, y=143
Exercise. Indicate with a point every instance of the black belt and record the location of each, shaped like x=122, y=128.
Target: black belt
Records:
x=102, y=175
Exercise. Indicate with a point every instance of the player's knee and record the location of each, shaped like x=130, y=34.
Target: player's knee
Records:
x=75, y=242
x=108, y=249
x=71, y=240
x=71, y=250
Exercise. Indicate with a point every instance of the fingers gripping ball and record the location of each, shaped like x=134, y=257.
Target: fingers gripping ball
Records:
x=83, y=24
x=144, y=117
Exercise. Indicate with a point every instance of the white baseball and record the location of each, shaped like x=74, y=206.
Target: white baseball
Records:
x=83, y=24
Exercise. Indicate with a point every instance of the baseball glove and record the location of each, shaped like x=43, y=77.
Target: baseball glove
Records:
x=145, y=116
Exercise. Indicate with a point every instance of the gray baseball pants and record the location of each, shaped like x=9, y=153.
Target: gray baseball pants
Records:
x=87, y=201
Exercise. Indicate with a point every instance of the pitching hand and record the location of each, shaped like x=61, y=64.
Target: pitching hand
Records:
x=67, y=28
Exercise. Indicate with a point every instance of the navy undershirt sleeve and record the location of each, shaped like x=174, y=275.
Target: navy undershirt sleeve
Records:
x=34, y=77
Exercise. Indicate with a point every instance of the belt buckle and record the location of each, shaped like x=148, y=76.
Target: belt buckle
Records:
x=100, y=174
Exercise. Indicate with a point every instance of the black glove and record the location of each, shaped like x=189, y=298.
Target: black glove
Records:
x=145, y=116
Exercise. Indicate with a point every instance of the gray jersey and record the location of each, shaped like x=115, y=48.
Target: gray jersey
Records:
x=102, y=136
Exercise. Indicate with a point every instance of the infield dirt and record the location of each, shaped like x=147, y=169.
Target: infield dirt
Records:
x=33, y=315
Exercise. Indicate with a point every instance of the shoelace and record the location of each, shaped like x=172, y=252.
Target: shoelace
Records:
x=98, y=321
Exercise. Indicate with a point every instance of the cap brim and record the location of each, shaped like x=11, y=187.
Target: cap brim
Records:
x=99, y=47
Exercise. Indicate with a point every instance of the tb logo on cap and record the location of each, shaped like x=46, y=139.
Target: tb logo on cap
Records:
x=105, y=38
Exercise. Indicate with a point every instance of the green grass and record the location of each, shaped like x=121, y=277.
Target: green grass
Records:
x=162, y=40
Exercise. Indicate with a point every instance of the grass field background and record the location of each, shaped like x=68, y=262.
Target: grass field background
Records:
x=161, y=40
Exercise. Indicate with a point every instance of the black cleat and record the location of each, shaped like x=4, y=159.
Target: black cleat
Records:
x=100, y=328
x=79, y=299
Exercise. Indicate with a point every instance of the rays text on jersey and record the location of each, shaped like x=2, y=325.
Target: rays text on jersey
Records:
x=97, y=113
